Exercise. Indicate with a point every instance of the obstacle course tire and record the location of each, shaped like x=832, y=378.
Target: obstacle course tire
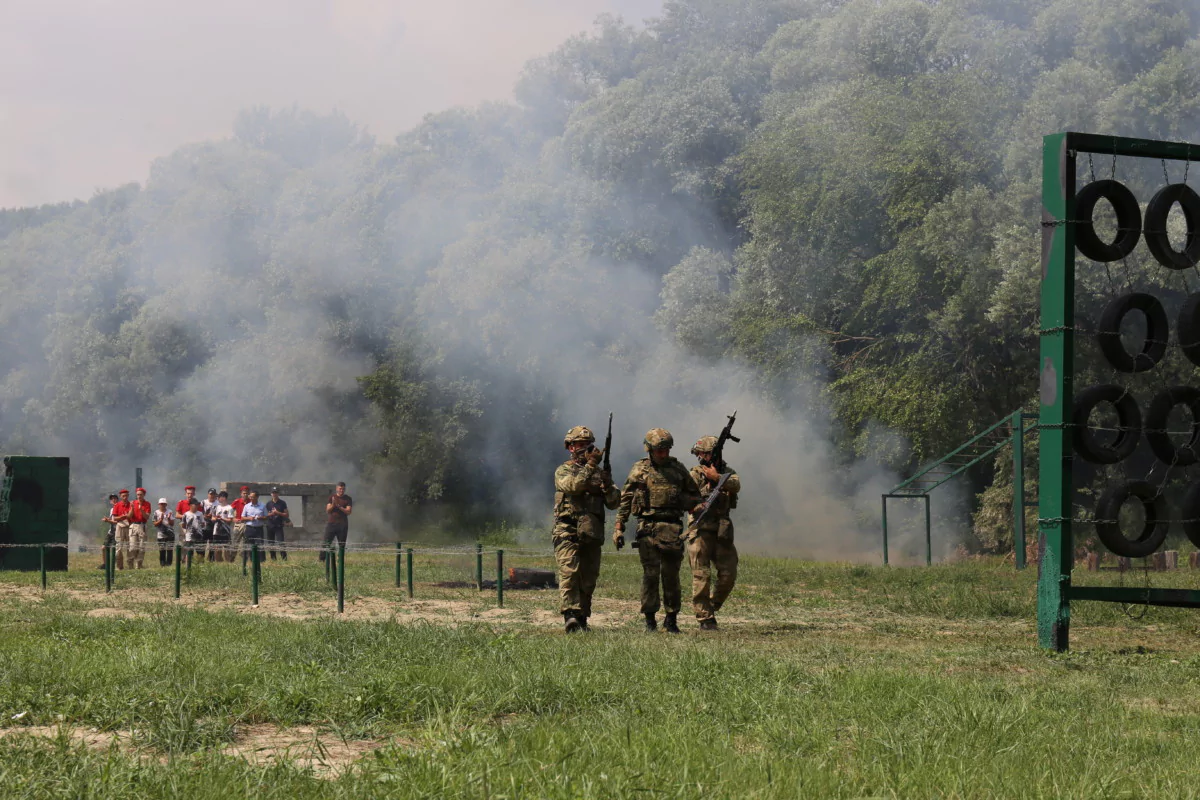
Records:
x=1157, y=415
x=1108, y=525
x=1129, y=420
x=1157, y=332
x=1129, y=220
x=1156, y=226
x=1187, y=328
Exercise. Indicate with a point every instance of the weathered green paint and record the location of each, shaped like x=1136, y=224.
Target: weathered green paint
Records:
x=409, y=554
x=1057, y=371
x=500, y=578
x=479, y=564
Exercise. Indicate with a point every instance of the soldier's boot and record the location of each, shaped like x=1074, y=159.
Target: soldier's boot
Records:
x=709, y=624
x=669, y=623
x=651, y=623
x=570, y=623
x=583, y=623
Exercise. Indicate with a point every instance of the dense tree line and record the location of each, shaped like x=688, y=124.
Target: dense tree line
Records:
x=839, y=195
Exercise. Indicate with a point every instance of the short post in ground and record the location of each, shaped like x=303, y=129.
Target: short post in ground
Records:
x=178, y=568
x=399, y=558
x=409, y=555
x=341, y=578
x=500, y=578
x=479, y=566
x=254, y=573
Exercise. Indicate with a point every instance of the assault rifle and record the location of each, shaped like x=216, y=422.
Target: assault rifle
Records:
x=718, y=462
x=608, y=446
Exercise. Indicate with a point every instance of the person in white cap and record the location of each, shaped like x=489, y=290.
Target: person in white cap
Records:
x=164, y=532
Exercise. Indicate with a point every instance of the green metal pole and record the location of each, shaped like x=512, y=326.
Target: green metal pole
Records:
x=885, y=545
x=1057, y=370
x=1018, y=448
x=42, y=563
x=108, y=567
x=254, y=573
x=928, y=536
x=333, y=564
x=178, y=568
x=479, y=566
x=399, y=558
x=341, y=587
x=410, y=573
x=327, y=565
x=500, y=578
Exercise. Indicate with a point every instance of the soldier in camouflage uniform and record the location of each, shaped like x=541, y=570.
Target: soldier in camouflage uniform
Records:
x=582, y=490
x=658, y=491
x=710, y=542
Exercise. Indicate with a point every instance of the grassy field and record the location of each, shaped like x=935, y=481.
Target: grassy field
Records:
x=825, y=680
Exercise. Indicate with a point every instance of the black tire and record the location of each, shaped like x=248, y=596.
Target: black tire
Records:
x=1156, y=226
x=1156, y=426
x=1187, y=328
x=1190, y=511
x=1129, y=420
x=1158, y=332
x=1108, y=525
x=1129, y=220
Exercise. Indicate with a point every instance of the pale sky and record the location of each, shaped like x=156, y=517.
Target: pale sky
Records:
x=91, y=91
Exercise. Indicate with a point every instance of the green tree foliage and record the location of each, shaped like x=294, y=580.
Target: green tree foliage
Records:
x=839, y=194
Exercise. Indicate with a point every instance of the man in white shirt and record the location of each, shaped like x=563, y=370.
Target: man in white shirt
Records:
x=222, y=517
x=193, y=526
x=164, y=532
x=209, y=506
x=254, y=514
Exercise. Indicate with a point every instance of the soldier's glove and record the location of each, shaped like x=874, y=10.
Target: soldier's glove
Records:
x=594, y=456
x=619, y=537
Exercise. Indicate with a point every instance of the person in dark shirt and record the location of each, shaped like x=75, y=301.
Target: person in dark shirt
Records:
x=338, y=525
x=277, y=517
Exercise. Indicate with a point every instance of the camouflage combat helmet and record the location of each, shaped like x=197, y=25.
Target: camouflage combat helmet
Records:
x=579, y=433
x=658, y=437
x=706, y=444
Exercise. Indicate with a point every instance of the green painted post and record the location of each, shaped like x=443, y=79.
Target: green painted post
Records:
x=928, y=536
x=479, y=566
x=1057, y=370
x=341, y=578
x=399, y=558
x=254, y=573
x=500, y=578
x=1018, y=448
x=42, y=563
x=333, y=565
x=410, y=573
x=108, y=567
x=178, y=568
x=885, y=545
x=327, y=567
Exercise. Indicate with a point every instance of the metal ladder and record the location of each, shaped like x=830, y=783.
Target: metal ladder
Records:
x=1009, y=431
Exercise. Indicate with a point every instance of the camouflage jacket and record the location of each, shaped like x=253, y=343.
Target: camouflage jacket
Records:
x=662, y=493
x=581, y=494
x=725, y=501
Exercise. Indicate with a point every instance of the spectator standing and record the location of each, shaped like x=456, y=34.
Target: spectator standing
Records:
x=185, y=505
x=120, y=518
x=193, y=524
x=239, y=525
x=139, y=517
x=209, y=507
x=111, y=537
x=277, y=516
x=164, y=532
x=222, y=516
x=338, y=525
x=255, y=515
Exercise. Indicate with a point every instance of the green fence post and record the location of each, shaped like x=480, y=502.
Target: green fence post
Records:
x=928, y=537
x=109, y=555
x=333, y=565
x=885, y=546
x=500, y=578
x=400, y=557
x=178, y=568
x=1018, y=448
x=326, y=561
x=479, y=566
x=42, y=563
x=410, y=573
x=341, y=576
x=254, y=572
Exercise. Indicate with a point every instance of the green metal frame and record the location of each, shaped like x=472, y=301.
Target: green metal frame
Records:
x=1057, y=377
x=959, y=461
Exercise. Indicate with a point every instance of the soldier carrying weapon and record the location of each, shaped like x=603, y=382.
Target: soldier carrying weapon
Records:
x=710, y=535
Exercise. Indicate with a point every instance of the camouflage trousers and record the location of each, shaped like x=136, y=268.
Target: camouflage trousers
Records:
x=578, y=568
x=707, y=549
x=661, y=552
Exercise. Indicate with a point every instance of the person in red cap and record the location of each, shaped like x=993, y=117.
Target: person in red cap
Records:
x=120, y=517
x=181, y=510
x=239, y=524
x=139, y=515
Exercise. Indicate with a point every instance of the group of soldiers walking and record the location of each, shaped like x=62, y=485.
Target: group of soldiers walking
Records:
x=660, y=492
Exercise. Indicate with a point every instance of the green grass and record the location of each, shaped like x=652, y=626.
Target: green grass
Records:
x=825, y=680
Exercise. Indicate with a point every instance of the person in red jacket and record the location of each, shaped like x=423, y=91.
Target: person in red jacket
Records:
x=239, y=525
x=139, y=516
x=120, y=517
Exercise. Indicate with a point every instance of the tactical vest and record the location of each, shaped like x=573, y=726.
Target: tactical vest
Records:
x=660, y=494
